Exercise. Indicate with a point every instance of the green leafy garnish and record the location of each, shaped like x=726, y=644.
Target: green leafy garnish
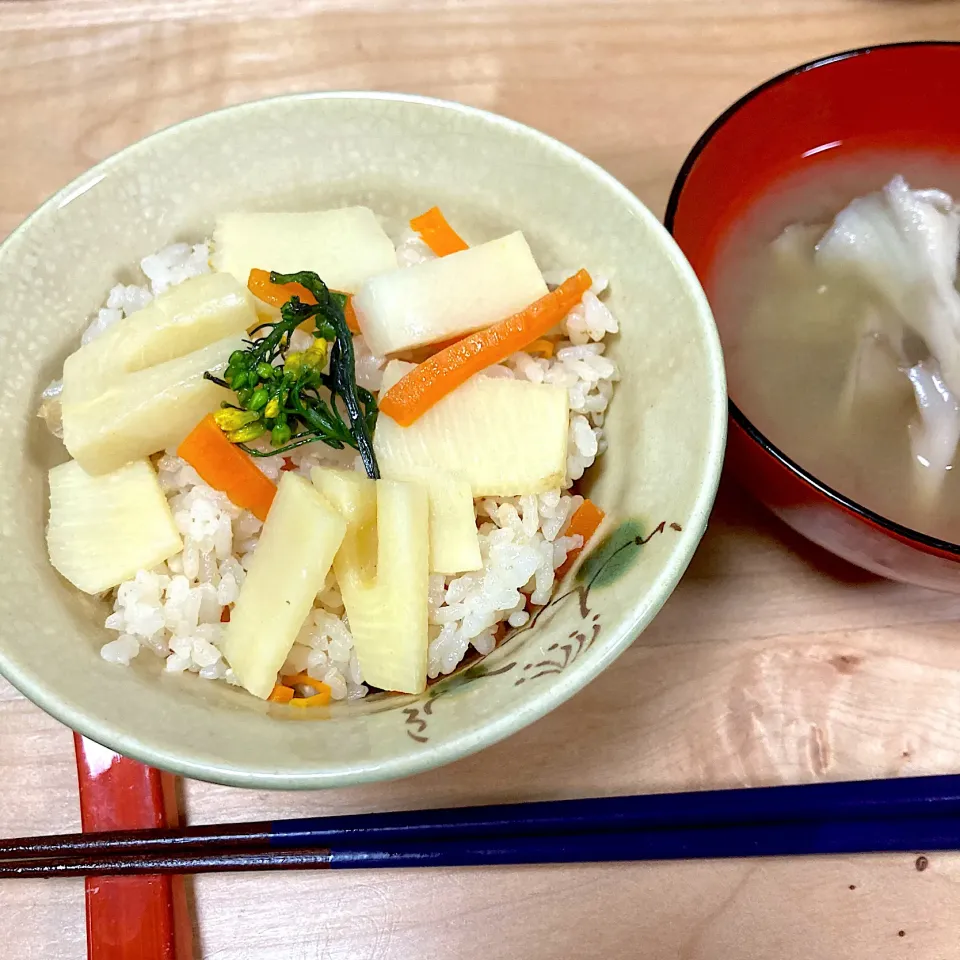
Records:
x=282, y=396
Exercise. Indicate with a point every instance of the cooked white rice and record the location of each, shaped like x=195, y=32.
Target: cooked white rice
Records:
x=175, y=611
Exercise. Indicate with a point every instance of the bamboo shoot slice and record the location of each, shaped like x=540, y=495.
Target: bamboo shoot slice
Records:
x=383, y=570
x=448, y=297
x=504, y=437
x=146, y=412
x=102, y=530
x=299, y=540
x=454, y=541
x=344, y=247
x=186, y=318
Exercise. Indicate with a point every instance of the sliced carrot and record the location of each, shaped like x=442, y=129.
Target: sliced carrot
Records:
x=277, y=294
x=436, y=233
x=320, y=699
x=412, y=396
x=227, y=468
x=543, y=347
x=584, y=522
x=350, y=315
x=281, y=694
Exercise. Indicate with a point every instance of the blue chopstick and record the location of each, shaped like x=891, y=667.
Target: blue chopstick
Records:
x=922, y=835
x=862, y=799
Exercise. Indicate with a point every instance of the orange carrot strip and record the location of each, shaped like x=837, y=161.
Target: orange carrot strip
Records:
x=350, y=315
x=584, y=522
x=543, y=347
x=322, y=696
x=411, y=397
x=227, y=468
x=281, y=694
x=277, y=294
x=320, y=699
x=436, y=233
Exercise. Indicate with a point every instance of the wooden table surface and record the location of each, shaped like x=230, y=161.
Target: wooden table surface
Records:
x=772, y=663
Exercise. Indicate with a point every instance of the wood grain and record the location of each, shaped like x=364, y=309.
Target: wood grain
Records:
x=772, y=662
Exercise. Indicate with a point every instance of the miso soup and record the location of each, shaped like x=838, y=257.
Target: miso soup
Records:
x=842, y=333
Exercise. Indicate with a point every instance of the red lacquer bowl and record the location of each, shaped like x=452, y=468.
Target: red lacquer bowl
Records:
x=901, y=95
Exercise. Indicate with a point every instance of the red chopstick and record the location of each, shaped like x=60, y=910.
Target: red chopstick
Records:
x=131, y=918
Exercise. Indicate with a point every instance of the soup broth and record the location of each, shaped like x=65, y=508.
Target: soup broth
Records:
x=791, y=332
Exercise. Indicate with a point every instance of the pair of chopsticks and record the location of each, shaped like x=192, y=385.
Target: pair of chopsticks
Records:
x=916, y=814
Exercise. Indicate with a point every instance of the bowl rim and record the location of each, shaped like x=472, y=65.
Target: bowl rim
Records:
x=536, y=704
x=925, y=542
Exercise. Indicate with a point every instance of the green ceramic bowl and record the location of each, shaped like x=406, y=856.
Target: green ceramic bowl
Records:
x=400, y=155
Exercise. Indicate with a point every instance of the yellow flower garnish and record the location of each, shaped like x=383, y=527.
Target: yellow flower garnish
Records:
x=230, y=419
x=293, y=363
x=316, y=354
